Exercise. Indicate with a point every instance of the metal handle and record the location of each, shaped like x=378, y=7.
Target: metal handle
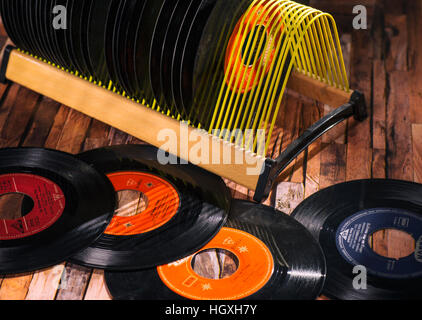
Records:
x=273, y=168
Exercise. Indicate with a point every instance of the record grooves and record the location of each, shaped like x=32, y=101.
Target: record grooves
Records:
x=185, y=206
x=278, y=260
x=343, y=219
x=72, y=206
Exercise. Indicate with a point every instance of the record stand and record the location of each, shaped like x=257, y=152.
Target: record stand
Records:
x=310, y=56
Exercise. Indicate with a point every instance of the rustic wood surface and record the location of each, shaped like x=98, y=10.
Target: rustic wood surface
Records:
x=384, y=62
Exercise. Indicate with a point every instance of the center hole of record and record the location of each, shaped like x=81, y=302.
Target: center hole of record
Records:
x=131, y=203
x=392, y=243
x=215, y=264
x=254, y=51
x=15, y=206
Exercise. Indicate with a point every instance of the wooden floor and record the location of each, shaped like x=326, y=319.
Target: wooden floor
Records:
x=384, y=62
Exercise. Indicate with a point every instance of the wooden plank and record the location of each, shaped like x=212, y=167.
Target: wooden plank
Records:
x=97, y=289
x=317, y=90
x=42, y=123
x=126, y=115
x=333, y=164
x=359, y=149
x=291, y=128
x=399, y=130
x=379, y=121
x=22, y=110
x=396, y=32
x=76, y=278
x=74, y=282
x=289, y=196
x=45, y=283
x=15, y=287
x=417, y=151
x=15, y=116
x=415, y=60
x=7, y=105
x=313, y=164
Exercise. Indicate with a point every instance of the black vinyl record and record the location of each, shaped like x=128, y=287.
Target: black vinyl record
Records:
x=120, y=22
x=178, y=209
x=167, y=26
x=96, y=29
x=142, y=48
x=6, y=10
x=77, y=9
x=276, y=258
x=66, y=206
x=127, y=64
x=176, y=67
x=343, y=219
x=109, y=40
x=166, y=56
x=221, y=75
x=60, y=34
x=190, y=49
x=30, y=11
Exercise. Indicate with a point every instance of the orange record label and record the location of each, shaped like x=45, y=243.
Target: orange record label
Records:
x=160, y=203
x=255, y=268
x=246, y=61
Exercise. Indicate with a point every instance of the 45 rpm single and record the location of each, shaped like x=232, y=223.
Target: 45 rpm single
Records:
x=66, y=206
x=343, y=219
x=177, y=209
x=276, y=259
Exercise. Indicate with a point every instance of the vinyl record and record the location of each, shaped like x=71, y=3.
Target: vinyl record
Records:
x=32, y=19
x=77, y=9
x=190, y=50
x=143, y=42
x=66, y=206
x=343, y=219
x=7, y=19
x=83, y=36
x=275, y=256
x=177, y=209
x=48, y=26
x=127, y=65
x=24, y=29
x=114, y=11
x=121, y=43
x=48, y=31
x=162, y=47
x=96, y=28
x=59, y=35
x=176, y=67
x=233, y=56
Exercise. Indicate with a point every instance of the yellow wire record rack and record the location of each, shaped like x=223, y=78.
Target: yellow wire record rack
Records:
x=274, y=44
x=279, y=36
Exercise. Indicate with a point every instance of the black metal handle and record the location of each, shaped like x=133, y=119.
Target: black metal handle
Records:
x=273, y=168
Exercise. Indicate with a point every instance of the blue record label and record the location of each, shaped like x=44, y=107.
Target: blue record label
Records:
x=353, y=234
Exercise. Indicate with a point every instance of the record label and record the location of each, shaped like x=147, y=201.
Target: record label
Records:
x=255, y=268
x=352, y=239
x=49, y=203
x=251, y=49
x=161, y=203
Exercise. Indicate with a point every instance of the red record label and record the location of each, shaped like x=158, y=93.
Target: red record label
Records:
x=162, y=203
x=49, y=203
